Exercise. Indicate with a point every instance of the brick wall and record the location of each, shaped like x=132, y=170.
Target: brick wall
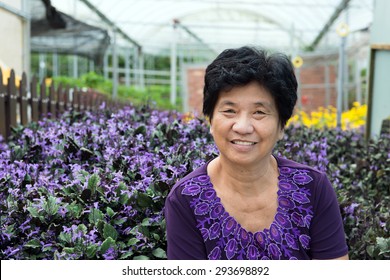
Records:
x=312, y=87
x=312, y=81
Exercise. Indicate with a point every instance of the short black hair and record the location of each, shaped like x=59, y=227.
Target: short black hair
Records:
x=241, y=66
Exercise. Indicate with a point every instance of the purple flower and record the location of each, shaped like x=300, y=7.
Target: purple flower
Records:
x=215, y=254
x=291, y=241
x=202, y=208
x=217, y=211
x=191, y=190
x=283, y=220
x=205, y=233
x=203, y=179
x=285, y=202
x=287, y=171
x=231, y=248
x=351, y=208
x=275, y=233
x=305, y=241
x=229, y=226
x=244, y=237
x=300, y=197
x=207, y=195
x=261, y=239
x=307, y=220
x=297, y=219
x=214, y=231
x=287, y=185
x=274, y=251
x=252, y=253
x=110, y=254
x=302, y=179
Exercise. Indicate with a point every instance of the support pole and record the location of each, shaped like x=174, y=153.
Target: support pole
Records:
x=127, y=68
x=173, y=64
x=114, y=68
x=379, y=87
x=141, y=69
x=340, y=81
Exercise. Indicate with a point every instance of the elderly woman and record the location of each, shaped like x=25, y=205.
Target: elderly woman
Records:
x=248, y=203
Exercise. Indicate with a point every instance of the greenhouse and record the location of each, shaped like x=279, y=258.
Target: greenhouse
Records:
x=105, y=114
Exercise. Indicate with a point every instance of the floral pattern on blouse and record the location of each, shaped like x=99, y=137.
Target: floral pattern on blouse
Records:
x=285, y=235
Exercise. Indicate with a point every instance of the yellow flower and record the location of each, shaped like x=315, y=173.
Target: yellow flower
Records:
x=327, y=117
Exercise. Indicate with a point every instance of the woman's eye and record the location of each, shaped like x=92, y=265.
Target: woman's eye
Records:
x=229, y=111
x=259, y=113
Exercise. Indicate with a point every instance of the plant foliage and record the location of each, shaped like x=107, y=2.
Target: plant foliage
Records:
x=93, y=185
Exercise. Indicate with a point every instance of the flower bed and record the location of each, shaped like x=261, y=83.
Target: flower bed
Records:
x=93, y=186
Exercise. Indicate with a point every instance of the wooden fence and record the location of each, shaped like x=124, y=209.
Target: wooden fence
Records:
x=18, y=106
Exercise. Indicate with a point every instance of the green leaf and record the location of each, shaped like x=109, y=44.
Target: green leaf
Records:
x=110, y=212
x=91, y=251
x=110, y=231
x=132, y=241
x=140, y=130
x=75, y=209
x=159, y=253
x=141, y=257
x=383, y=244
x=126, y=255
x=65, y=237
x=146, y=222
x=33, y=244
x=82, y=228
x=109, y=242
x=95, y=216
x=156, y=236
x=93, y=182
x=370, y=250
x=119, y=221
x=33, y=211
x=144, y=200
x=69, y=250
x=46, y=249
x=51, y=206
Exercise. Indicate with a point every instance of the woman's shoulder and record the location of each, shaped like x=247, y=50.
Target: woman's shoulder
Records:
x=193, y=178
x=286, y=164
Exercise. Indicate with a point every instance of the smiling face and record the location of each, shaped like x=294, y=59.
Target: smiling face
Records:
x=245, y=125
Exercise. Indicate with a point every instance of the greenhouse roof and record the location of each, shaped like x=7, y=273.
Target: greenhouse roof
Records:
x=213, y=25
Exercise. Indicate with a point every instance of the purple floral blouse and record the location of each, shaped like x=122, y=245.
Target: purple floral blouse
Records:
x=307, y=224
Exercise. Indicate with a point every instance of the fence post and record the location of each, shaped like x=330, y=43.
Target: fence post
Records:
x=34, y=100
x=23, y=100
x=67, y=106
x=43, y=99
x=60, y=100
x=3, y=107
x=12, y=99
x=75, y=100
x=81, y=100
x=52, y=102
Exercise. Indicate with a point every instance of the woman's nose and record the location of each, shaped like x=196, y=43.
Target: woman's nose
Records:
x=243, y=125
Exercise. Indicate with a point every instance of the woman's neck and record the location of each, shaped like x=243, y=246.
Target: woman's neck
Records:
x=246, y=181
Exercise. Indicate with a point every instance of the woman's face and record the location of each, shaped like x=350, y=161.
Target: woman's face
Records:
x=245, y=124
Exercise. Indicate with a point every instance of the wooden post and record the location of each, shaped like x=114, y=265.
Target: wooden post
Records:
x=3, y=108
x=23, y=100
x=43, y=100
x=12, y=99
x=67, y=106
x=52, y=102
x=60, y=99
x=34, y=100
x=76, y=100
